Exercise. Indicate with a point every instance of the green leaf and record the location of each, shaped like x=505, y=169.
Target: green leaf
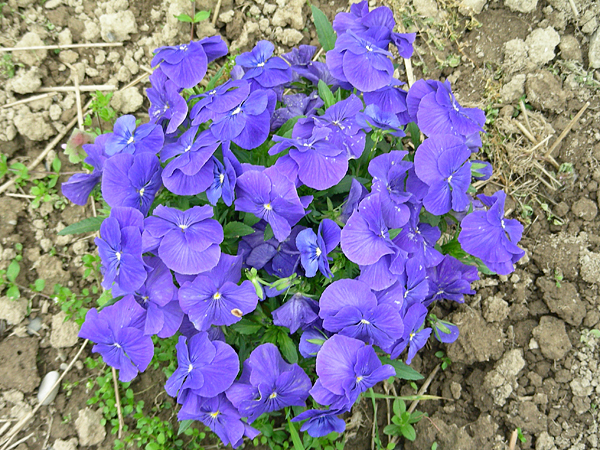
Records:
x=415, y=134
x=39, y=285
x=295, y=437
x=288, y=126
x=213, y=81
x=268, y=232
x=288, y=347
x=403, y=371
x=13, y=271
x=236, y=230
x=394, y=232
x=408, y=431
x=326, y=94
x=13, y=292
x=84, y=226
x=325, y=31
x=316, y=341
x=201, y=15
x=183, y=18
x=56, y=164
x=246, y=326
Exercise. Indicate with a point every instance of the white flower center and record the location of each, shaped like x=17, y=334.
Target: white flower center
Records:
x=221, y=178
x=369, y=48
x=268, y=206
x=318, y=251
x=365, y=322
x=236, y=111
x=190, y=368
x=188, y=148
x=183, y=47
x=183, y=226
x=273, y=395
x=141, y=191
x=130, y=140
x=217, y=295
x=118, y=255
x=260, y=64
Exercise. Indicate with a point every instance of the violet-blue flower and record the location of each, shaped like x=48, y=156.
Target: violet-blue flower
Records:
x=186, y=64
x=441, y=163
x=122, y=345
x=450, y=280
x=268, y=384
x=443, y=331
x=120, y=250
x=404, y=43
x=355, y=196
x=346, y=368
x=262, y=67
x=271, y=196
x=219, y=100
x=350, y=308
x=419, y=239
x=296, y=105
x=315, y=248
x=321, y=422
x=415, y=336
x=126, y=138
x=204, y=366
x=131, y=180
x=188, y=240
x=489, y=236
x=214, y=297
x=79, y=187
x=391, y=99
x=166, y=103
x=218, y=414
x=224, y=180
x=374, y=117
x=192, y=170
x=297, y=312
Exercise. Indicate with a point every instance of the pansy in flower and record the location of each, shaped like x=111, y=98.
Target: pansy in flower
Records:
x=224, y=180
x=268, y=383
x=349, y=308
x=79, y=187
x=131, y=180
x=317, y=71
x=443, y=330
x=187, y=241
x=489, y=236
x=218, y=414
x=297, y=312
x=263, y=68
x=415, y=336
x=120, y=250
x=158, y=297
x=248, y=123
x=186, y=64
x=121, y=344
x=219, y=100
x=365, y=238
x=385, y=272
x=271, y=196
x=450, y=280
x=214, y=297
x=192, y=170
x=374, y=117
x=321, y=422
x=358, y=60
x=389, y=172
x=166, y=103
x=441, y=163
x=347, y=367
x=391, y=99
x=360, y=21
x=355, y=196
x=204, y=366
x=315, y=248
x=419, y=239
x=128, y=138
x=301, y=56
x=321, y=164
x=296, y=105
x=404, y=43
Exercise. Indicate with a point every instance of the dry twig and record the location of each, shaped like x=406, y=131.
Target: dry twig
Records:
x=567, y=129
x=423, y=389
x=27, y=100
x=60, y=47
x=118, y=399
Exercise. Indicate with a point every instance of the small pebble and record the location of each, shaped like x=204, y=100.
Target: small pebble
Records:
x=47, y=383
x=34, y=326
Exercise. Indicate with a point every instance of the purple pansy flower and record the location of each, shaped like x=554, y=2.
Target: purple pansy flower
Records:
x=218, y=414
x=315, y=248
x=492, y=238
x=126, y=138
x=219, y=100
x=271, y=196
x=214, y=297
x=186, y=64
x=374, y=117
x=385, y=272
x=166, y=103
x=268, y=384
x=414, y=336
x=120, y=249
x=204, y=366
x=360, y=21
x=79, y=187
x=355, y=196
x=391, y=99
x=441, y=163
x=158, y=297
x=297, y=312
x=346, y=368
x=404, y=43
x=389, y=173
x=191, y=171
x=321, y=164
x=481, y=170
x=121, y=344
x=419, y=239
x=321, y=422
x=131, y=180
x=443, y=331
x=296, y=105
x=317, y=335
x=261, y=67
x=365, y=238
x=224, y=180
x=450, y=280
x=348, y=307
x=187, y=241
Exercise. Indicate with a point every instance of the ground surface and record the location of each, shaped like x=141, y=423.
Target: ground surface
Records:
x=525, y=358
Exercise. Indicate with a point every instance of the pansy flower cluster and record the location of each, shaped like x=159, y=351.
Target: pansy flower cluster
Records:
x=287, y=225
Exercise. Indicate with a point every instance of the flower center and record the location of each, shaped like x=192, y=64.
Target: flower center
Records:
x=236, y=111
x=117, y=345
x=217, y=295
x=273, y=395
x=411, y=335
x=190, y=368
x=214, y=414
x=141, y=191
x=359, y=379
x=318, y=251
x=130, y=140
x=503, y=224
x=183, y=226
x=260, y=64
x=365, y=322
x=183, y=47
x=221, y=178
x=450, y=179
x=369, y=48
x=118, y=256
x=188, y=148
x=213, y=92
x=268, y=206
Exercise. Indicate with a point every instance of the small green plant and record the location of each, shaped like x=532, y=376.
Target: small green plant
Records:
x=8, y=277
x=102, y=110
x=7, y=66
x=402, y=422
x=446, y=361
x=198, y=17
x=520, y=436
x=558, y=277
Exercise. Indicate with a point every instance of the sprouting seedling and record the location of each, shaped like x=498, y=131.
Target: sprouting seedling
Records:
x=197, y=17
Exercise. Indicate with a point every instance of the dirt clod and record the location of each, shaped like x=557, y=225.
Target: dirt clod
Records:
x=18, y=364
x=552, y=338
